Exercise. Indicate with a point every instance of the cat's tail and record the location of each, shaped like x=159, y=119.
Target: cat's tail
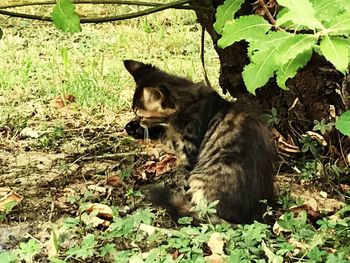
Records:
x=176, y=203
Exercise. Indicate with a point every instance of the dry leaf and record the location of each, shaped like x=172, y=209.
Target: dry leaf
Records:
x=114, y=180
x=323, y=194
x=30, y=133
x=175, y=255
x=344, y=188
x=165, y=164
x=277, y=229
x=270, y=255
x=61, y=102
x=97, y=188
x=216, y=259
x=317, y=137
x=216, y=244
x=8, y=198
x=298, y=245
x=283, y=145
x=52, y=245
x=104, y=211
x=312, y=214
x=102, y=218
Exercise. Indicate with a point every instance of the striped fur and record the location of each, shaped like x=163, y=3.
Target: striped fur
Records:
x=227, y=152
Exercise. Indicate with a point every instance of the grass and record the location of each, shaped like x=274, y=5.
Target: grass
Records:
x=39, y=62
x=82, y=148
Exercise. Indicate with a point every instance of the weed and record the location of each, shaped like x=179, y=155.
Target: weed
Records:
x=323, y=126
x=309, y=145
x=271, y=119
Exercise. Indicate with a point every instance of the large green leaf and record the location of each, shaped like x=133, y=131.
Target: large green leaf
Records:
x=336, y=51
x=294, y=46
x=340, y=25
x=326, y=10
x=344, y=4
x=64, y=17
x=270, y=40
x=343, y=123
x=290, y=69
x=245, y=27
x=225, y=12
x=260, y=70
x=300, y=12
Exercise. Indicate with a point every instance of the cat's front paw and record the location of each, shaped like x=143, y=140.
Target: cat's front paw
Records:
x=134, y=129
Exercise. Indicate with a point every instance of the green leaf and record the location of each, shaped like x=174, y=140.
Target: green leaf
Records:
x=294, y=46
x=343, y=123
x=326, y=10
x=300, y=12
x=260, y=70
x=64, y=17
x=271, y=39
x=336, y=51
x=226, y=12
x=290, y=69
x=248, y=28
x=340, y=25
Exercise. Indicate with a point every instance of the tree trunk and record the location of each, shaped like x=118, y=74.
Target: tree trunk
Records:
x=317, y=92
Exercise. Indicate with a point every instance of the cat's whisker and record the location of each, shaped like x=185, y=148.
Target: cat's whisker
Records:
x=146, y=135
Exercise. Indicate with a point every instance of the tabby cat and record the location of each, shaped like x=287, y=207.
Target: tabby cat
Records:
x=227, y=152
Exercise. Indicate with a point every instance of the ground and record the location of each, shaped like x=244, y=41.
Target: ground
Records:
x=64, y=101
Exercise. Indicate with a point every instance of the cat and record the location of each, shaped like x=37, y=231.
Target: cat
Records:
x=134, y=129
x=228, y=154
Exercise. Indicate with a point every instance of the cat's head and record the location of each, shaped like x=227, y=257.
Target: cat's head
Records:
x=159, y=95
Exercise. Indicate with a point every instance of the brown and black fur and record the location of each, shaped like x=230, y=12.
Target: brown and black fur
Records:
x=227, y=152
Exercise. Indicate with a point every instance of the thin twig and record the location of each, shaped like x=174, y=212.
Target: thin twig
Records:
x=103, y=19
x=202, y=57
x=97, y=2
x=111, y=156
x=267, y=12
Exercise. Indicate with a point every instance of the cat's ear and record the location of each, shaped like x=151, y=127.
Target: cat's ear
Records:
x=132, y=66
x=153, y=95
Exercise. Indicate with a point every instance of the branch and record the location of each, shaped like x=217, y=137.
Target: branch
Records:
x=267, y=12
x=103, y=19
x=98, y=2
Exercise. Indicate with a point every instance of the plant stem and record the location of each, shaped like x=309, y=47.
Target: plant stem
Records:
x=267, y=12
x=103, y=19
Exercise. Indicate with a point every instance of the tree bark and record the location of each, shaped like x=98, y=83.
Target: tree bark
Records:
x=315, y=93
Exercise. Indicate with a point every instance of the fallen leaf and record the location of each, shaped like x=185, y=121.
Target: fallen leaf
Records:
x=61, y=102
x=270, y=255
x=344, y=188
x=165, y=164
x=277, y=229
x=9, y=198
x=323, y=194
x=97, y=188
x=175, y=254
x=216, y=244
x=283, y=145
x=298, y=245
x=102, y=218
x=312, y=214
x=30, y=133
x=104, y=211
x=114, y=181
x=4, y=191
x=317, y=137
x=52, y=245
x=214, y=258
